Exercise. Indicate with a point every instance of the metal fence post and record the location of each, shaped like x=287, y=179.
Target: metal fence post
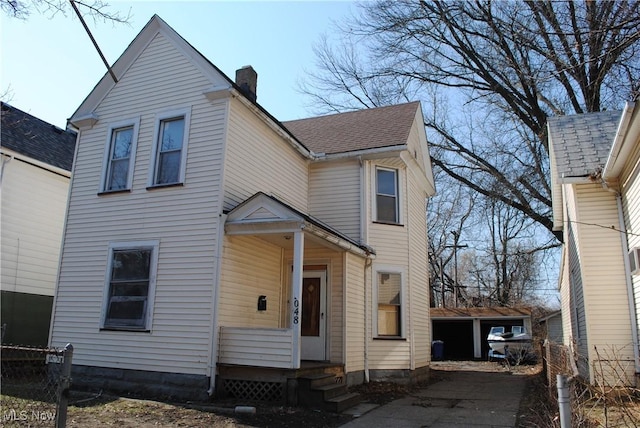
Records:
x=63, y=386
x=564, y=401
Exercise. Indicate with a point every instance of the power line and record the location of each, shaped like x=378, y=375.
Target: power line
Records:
x=626, y=232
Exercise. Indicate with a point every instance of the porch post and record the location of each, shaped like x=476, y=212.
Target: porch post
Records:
x=296, y=295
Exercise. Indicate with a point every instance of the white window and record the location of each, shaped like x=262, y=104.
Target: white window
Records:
x=130, y=286
x=387, y=200
x=389, y=301
x=170, y=149
x=120, y=154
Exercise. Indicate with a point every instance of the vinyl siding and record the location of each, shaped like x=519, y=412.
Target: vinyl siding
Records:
x=577, y=311
x=630, y=180
x=419, y=151
x=33, y=206
x=257, y=159
x=251, y=267
x=418, y=274
x=605, y=294
x=183, y=218
x=565, y=301
x=354, y=301
x=392, y=250
x=335, y=196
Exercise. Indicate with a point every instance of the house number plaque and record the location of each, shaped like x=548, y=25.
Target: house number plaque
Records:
x=296, y=310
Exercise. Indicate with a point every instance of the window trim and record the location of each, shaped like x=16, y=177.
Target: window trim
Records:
x=398, y=196
x=106, y=161
x=185, y=113
x=380, y=269
x=153, y=269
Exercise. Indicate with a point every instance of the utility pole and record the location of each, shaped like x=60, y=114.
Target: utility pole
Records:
x=455, y=247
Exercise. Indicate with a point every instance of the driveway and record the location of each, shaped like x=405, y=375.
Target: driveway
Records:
x=458, y=397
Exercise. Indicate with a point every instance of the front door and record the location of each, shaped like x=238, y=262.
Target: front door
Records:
x=314, y=309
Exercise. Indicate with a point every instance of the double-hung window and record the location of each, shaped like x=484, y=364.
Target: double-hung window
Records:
x=389, y=304
x=387, y=200
x=130, y=286
x=119, y=156
x=169, y=157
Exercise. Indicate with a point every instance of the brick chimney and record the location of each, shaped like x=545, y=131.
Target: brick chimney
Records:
x=247, y=80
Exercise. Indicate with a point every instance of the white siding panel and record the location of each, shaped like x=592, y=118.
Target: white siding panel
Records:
x=392, y=246
x=183, y=218
x=258, y=159
x=33, y=207
x=335, y=196
x=251, y=267
x=605, y=294
x=630, y=180
x=355, y=316
x=256, y=347
x=418, y=286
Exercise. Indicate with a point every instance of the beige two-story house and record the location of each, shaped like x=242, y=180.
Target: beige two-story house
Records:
x=35, y=170
x=210, y=248
x=595, y=168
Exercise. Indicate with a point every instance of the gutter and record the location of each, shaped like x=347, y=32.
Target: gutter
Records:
x=215, y=345
x=618, y=141
x=360, y=153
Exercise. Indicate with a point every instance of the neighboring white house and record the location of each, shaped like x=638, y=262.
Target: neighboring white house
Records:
x=596, y=204
x=209, y=247
x=34, y=183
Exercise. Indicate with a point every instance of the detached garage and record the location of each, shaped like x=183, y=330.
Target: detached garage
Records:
x=464, y=330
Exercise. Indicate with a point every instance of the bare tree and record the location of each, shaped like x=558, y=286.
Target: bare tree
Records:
x=96, y=9
x=513, y=63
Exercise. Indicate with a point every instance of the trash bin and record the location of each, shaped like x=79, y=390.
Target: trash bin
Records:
x=437, y=350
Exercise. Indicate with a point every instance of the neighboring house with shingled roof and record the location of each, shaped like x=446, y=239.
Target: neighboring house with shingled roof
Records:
x=220, y=251
x=596, y=207
x=36, y=169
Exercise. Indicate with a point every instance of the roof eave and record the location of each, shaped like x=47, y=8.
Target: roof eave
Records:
x=621, y=145
x=374, y=153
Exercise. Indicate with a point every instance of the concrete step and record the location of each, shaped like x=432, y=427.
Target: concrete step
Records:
x=331, y=390
x=342, y=402
x=320, y=379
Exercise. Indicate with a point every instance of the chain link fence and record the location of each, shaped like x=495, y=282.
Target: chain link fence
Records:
x=35, y=386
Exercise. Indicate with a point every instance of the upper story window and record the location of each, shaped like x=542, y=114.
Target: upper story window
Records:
x=130, y=286
x=169, y=155
x=387, y=200
x=119, y=156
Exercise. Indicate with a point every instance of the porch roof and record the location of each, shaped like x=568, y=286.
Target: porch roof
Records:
x=264, y=214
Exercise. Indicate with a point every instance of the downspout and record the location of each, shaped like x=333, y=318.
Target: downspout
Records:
x=627, y=276
x=215, y=340
x=367, y=264
x=6, y=160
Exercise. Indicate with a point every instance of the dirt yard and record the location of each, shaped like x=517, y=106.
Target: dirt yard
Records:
x=91, y=411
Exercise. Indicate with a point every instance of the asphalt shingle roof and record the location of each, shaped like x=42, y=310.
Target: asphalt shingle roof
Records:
x=356, y=130
x=30, y=136
x=581, y=142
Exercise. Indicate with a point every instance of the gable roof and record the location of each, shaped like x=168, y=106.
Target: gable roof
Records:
x=581, y=142
x=37, y=139
x=263, y=213
x=356, y=130
x=220, y=82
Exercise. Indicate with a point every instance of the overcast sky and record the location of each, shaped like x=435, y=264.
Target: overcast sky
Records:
x=48, y=66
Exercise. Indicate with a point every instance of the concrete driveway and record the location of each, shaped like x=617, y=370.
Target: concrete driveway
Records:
x=457, y=398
